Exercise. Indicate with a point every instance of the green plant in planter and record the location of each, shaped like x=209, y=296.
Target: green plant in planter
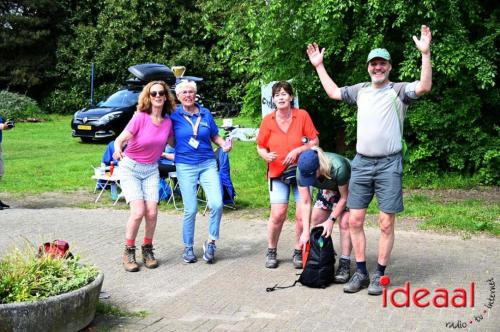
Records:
x=26, y=277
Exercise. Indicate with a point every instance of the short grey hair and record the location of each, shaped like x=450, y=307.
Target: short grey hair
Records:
x=185, y=84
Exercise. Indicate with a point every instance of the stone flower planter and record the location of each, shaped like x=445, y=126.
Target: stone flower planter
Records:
x=71, y=311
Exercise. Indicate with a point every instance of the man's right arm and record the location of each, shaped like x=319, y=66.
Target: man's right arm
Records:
x=316, y=59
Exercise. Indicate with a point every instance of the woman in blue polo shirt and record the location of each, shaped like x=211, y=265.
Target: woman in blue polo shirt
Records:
x=195, y=131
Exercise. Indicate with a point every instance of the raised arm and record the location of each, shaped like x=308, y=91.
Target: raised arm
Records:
x=316, y=58
x=424, y=46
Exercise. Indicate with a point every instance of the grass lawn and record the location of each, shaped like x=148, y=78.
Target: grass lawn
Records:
x=43, y=157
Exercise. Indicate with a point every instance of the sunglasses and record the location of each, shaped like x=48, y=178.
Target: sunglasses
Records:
x=159, y=93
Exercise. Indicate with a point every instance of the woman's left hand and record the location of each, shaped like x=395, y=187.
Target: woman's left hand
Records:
x=291, y=157
x=327, y=227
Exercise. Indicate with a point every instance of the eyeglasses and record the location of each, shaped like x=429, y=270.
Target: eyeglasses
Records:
x=159, y=93
x=187, y=92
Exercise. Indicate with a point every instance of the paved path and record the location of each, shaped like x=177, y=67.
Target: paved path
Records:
x=230, y=295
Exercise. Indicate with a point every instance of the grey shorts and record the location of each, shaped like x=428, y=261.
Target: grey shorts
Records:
x=382, y=176
x=139, y=181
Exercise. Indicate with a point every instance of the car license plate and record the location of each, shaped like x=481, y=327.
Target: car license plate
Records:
x=82, y=127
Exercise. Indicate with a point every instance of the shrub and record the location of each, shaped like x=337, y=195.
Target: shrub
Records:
x=70, y=100
x=15, y=106
x=63, y=102
x=25, y=277
x=490, y=172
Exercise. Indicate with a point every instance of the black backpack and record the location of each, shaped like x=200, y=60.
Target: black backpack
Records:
x=320, y=266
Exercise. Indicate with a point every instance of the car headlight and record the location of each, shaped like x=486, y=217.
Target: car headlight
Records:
x=109, y=117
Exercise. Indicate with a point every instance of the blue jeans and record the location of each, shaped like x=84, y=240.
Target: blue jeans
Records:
x=188, y=176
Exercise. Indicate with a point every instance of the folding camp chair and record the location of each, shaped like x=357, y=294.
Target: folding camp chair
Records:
x=174, y=185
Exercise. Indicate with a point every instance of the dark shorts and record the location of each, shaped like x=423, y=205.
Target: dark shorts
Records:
x=382, y=176
x=326, y=199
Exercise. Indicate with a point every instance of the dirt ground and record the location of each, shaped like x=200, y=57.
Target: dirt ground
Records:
x=85, y=198
x=486, y=194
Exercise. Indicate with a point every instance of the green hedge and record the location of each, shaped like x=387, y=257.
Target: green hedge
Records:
x=14, y=106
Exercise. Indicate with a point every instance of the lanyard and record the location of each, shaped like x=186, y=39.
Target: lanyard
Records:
x=194, y=125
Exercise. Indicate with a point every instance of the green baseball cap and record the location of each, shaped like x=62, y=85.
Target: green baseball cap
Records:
x=379, y=53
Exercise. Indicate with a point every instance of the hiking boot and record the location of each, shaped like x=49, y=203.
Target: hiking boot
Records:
x=297, y=258
x=271, y=261
x=148, y=257
x=357, y=282
x=209, y=251
x=189, y=256
x=343, y=272
x=128, y=260
x=375, y=288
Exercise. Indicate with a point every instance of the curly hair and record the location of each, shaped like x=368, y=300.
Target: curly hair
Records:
x=144, y=104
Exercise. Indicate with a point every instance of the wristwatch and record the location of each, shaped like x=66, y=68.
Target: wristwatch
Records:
x=332, y=218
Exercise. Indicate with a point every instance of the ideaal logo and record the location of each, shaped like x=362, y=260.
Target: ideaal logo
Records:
x=439, y=298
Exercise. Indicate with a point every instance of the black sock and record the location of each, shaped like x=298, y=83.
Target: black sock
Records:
x=361, y=266
x=381, y=269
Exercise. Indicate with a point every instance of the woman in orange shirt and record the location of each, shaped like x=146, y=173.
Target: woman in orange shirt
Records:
x=283, y=135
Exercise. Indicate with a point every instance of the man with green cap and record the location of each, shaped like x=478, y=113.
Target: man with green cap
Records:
x=377, y=167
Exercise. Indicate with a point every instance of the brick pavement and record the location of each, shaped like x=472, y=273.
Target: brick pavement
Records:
x=230, y=295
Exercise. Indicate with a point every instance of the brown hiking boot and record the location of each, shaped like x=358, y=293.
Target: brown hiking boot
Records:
x=148, y=257
x=129, y=262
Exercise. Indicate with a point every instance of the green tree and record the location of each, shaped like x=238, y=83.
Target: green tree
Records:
x=28, y=34
x=124, y=33
x=452, y=129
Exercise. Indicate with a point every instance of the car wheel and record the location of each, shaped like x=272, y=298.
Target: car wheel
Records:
x=86, y=139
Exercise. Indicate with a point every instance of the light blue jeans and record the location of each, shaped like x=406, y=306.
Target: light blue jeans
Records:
x=208, y=176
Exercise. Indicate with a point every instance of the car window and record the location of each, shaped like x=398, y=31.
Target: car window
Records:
x=122, y=98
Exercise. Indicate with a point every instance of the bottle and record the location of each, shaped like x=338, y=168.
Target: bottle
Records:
x=114, y=192
x=229, y=142
x=111, y=168
x=103, y=169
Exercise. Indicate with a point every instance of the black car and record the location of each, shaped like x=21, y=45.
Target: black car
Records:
x=108, y=119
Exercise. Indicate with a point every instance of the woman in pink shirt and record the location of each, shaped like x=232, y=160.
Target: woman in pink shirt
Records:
x=146, y=135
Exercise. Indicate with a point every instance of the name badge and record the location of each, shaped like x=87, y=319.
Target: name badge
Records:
x=194, y=142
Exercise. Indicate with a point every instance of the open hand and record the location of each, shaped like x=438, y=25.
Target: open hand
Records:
x=314, y=54
x=424, y=43
x=327, y=227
